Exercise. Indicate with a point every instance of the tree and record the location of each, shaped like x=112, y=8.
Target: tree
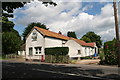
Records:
x=92, y=37
x=9, y=6
x=30, y=26
x=86, y=39
x=10, y=38
x=71, y=34
x=6, y=24
x=10, y=42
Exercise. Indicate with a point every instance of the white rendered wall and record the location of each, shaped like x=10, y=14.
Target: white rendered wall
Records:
x=73, y=48
x=39, y=43
x=21, y=53
x=89, y=51
x=52, y=42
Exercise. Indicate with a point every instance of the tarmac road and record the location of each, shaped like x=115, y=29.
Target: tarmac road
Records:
x=20, y=70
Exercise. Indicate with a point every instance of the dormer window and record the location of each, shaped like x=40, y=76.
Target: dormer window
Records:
x=34, y=36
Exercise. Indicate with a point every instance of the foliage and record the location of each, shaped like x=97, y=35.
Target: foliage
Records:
x=57, y=51
x=7, y=25
x=30, y=26
x=10, y=42
x=110, y=53
x=86, y=39
x=10, y=6
x=71, y=34
x=101, y=56
x=92, y=37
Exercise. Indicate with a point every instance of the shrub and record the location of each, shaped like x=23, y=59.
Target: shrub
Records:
x=57, y=51
x=110, y=53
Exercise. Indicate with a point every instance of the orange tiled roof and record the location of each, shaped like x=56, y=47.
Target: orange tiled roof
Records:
x=52, y=34
x=60, y=36
x=90, y=44
x=83, y=43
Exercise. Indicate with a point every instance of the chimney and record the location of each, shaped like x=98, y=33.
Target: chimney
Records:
x=59, y=32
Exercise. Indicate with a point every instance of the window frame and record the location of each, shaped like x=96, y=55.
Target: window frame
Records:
x=85, y=50
x=38, y=50
x=34, y=36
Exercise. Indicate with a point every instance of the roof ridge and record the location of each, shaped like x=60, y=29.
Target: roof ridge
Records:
x=60, y=36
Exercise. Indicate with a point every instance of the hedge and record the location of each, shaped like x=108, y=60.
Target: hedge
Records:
x=57, y=51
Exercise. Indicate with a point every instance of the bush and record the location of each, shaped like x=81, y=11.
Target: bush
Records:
x=110, y=53
x=57, y=51
x=101, y=56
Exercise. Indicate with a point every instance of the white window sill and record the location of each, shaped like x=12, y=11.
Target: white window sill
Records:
x=37, y=54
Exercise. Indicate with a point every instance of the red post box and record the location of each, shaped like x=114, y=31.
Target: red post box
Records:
x=42, y=58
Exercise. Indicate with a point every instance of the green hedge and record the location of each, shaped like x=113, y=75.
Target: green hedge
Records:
x=57, y=51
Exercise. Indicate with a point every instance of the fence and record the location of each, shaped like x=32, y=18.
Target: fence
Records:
x=10, y=56
x=56, y=59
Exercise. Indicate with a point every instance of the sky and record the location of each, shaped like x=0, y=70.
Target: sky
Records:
x=73, y=15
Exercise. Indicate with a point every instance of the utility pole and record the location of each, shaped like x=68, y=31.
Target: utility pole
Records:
x=117, y=32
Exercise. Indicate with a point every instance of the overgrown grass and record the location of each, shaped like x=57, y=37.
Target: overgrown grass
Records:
x=72, y=61
x=101, y=56
x=88, y=57
x=2, y=57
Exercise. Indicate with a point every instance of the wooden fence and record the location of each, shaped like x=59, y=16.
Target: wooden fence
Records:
x=10, y=56
x=56, y=59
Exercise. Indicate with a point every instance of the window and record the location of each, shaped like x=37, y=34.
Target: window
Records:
x=85, y=50
x=37, y=50
x=89, y=50
x=79, y=52
x=34, y=36
x=63, y=42
x=30, y=51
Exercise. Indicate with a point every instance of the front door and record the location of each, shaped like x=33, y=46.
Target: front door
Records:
x=30, y=51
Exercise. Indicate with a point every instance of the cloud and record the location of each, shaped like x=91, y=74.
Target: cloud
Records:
x=69, y=16
x=87, y=7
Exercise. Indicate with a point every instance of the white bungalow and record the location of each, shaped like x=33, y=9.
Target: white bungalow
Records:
x=39, y=39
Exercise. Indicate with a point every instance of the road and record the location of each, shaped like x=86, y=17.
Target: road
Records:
x=21, y=70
